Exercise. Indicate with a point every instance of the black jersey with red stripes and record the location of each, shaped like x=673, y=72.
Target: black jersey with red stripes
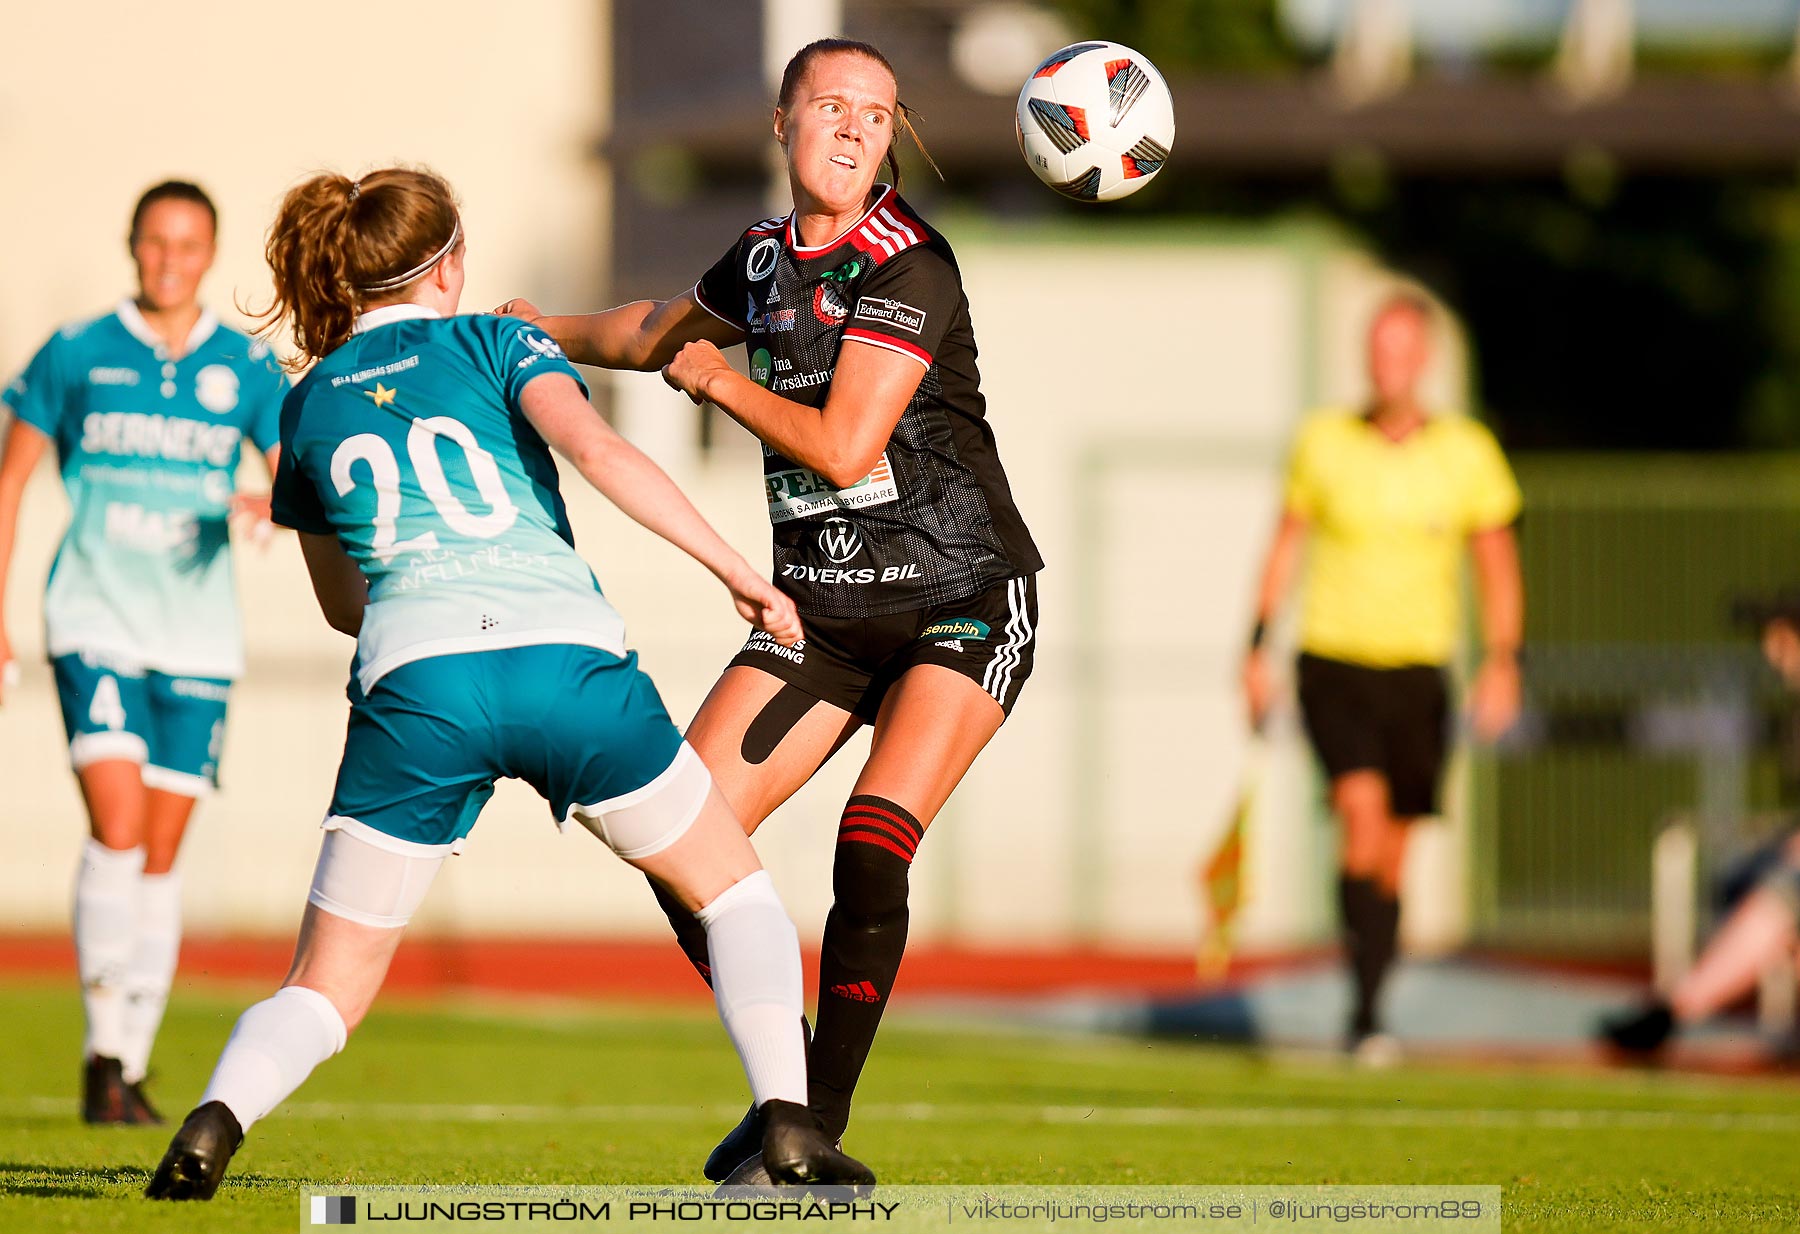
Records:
x=934, y=521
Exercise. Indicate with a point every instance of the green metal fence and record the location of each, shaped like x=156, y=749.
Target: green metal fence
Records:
x=1644, y=698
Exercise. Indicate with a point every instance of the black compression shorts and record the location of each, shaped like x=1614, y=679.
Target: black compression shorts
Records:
x=1392, y=720
x=849, y=662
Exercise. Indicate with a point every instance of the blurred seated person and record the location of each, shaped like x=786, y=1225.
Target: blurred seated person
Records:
x=1763, y=925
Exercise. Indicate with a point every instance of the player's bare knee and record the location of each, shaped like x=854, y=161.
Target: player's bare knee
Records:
x=1366, y=850
x=1361, y=796
x=116, y=828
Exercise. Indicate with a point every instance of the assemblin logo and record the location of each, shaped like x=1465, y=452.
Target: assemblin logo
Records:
x=957, y=627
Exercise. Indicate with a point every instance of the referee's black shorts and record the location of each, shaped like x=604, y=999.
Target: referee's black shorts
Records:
x=1392, y=720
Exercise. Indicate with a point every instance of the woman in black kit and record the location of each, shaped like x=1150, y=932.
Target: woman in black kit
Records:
x=895, y=531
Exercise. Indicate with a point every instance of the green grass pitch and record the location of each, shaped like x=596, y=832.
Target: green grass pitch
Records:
x=497, y=1091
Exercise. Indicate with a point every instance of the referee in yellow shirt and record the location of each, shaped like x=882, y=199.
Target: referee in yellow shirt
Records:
x=1387, y=498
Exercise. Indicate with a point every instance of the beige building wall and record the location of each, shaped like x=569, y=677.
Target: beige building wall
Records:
x=1150, y=378
x=99, y=100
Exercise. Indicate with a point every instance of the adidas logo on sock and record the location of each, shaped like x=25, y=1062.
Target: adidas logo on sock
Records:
x=861, y=992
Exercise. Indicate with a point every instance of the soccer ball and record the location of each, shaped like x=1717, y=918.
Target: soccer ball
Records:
x=1095, y=121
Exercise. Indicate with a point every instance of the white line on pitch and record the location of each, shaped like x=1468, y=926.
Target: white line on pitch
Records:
x=1137, y=1116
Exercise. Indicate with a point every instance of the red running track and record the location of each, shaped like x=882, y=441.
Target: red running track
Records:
x=651, y=970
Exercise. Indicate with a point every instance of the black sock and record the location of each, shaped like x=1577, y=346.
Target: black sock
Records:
x=689, y=933
x=1371, y=921
x=865, y=935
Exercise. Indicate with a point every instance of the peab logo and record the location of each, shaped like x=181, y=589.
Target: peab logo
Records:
x=333, y=1210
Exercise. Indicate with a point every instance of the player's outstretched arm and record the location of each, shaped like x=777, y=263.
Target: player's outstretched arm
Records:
x=625, y=476
x=24, y=446
x=342, y=590
x=643, y=335
x=842, y=440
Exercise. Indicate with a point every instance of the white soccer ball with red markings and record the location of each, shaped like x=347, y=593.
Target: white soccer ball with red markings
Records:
x=1096, y=121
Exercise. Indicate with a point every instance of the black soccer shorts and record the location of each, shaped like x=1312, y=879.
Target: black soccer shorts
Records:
x=1392, y=720
x=850, y=662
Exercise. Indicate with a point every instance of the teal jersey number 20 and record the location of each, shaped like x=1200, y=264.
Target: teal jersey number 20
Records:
x=408, y=443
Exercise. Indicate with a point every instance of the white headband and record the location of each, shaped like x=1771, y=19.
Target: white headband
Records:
x=401, y=279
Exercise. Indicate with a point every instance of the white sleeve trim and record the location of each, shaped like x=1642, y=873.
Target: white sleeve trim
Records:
x=870, y=342
x=701, y=301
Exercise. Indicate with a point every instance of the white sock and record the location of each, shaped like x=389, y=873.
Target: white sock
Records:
x=152, y=968
x=106, y=894
x=274, y=1047
x=755, y=956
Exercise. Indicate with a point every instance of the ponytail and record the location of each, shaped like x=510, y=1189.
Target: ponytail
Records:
x=339, y=244
x=903, y=124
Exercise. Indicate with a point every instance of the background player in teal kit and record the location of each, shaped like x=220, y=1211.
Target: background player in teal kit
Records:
x=148, y=407
x=416, y=467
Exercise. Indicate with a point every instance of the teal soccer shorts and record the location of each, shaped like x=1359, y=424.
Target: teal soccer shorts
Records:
x=430, y=738
x=172, y=726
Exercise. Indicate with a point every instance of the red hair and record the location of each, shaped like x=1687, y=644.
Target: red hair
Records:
x=336, y=240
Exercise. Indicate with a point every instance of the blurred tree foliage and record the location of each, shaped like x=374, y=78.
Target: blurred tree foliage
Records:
x=1242, y=36
x=1607, y=309
x=1659, y=317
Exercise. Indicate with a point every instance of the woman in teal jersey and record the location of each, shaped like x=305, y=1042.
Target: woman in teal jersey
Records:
x=416, y=467
x=148, y=407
